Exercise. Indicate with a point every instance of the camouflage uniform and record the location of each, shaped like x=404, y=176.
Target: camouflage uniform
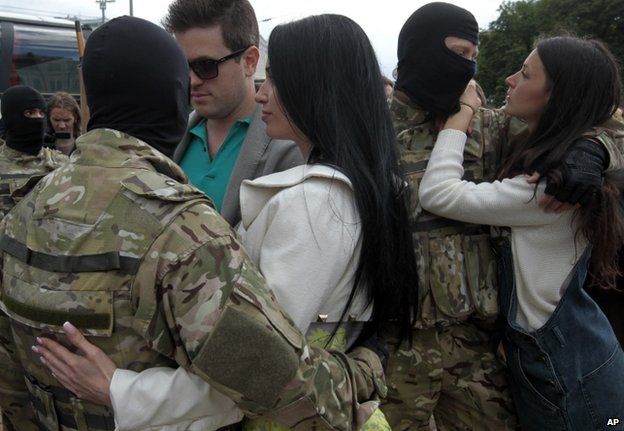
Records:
x=17, y=169
x=451, y=371
x=117, y=243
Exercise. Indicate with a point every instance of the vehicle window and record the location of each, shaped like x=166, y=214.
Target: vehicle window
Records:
x=45, y=59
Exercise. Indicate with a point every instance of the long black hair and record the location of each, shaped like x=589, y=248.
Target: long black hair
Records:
x=585, y=91
x=329, y=83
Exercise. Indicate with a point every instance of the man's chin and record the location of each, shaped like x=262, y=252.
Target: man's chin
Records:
x=205, y=110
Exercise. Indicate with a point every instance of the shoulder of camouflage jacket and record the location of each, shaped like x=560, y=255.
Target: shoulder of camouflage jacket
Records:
x=23, y=170
x=611, y=135
x=118, y=148
x=14, y=162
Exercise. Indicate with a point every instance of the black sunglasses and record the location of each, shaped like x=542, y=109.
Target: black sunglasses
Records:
x=208, y=68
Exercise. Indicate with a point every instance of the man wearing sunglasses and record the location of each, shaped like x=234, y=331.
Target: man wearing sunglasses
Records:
x=225, y=141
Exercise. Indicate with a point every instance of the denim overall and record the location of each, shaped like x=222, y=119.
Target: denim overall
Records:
x=568, y=374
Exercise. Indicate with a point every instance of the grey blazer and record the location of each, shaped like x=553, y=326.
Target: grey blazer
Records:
x=260, y=155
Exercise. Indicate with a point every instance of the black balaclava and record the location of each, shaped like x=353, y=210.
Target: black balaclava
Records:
x=137, y=81
x=429, y=73
x=22, y=133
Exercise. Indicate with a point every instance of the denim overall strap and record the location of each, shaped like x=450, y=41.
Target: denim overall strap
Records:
x=568, y=374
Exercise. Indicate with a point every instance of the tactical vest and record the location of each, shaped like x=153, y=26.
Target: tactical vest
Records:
x=87, y=278
x=456, y=266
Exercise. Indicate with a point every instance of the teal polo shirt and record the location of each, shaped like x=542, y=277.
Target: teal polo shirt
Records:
x=211, y=175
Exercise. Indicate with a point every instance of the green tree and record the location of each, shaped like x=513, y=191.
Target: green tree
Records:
x=509, y=39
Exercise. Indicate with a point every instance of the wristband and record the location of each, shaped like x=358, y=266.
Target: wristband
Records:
x=474, y=111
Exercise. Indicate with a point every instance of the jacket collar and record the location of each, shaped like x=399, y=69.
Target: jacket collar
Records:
x=254, y=194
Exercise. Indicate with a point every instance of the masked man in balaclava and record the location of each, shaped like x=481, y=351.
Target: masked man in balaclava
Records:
x=118, y=243
x=451, y=373
x=22, y=158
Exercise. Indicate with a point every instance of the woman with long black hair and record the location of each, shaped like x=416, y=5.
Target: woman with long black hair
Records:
x=324, y=91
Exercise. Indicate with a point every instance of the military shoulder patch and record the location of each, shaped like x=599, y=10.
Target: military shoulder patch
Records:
x=158, y=186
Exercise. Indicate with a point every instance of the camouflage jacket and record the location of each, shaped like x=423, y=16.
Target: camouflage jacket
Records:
x=456, y=267
x=17, y=169
x=119, y=244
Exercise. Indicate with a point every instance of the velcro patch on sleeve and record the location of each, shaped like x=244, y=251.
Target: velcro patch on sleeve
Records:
x=246, y=355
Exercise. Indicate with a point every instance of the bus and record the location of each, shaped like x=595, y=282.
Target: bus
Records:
x=39, y=52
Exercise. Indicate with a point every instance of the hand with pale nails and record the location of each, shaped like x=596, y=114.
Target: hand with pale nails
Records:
x=87, y=375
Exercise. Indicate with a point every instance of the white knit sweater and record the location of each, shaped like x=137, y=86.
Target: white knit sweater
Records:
x=543, y=244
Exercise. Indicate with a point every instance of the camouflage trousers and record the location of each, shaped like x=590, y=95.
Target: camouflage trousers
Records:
x=450, y=373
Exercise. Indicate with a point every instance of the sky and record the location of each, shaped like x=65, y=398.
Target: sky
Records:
x=381, y=20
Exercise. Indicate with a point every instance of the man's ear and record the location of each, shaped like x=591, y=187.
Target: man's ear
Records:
x=250, y=60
